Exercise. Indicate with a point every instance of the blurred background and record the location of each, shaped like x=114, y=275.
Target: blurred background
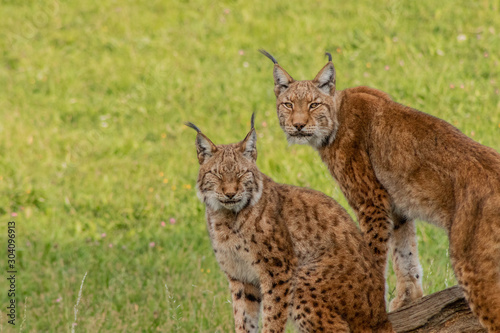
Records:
x=99, y=172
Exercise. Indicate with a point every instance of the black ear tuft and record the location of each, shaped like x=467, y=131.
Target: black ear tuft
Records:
x=252, y=121
x=329, y=55
x=267, y=54
x=193, y=126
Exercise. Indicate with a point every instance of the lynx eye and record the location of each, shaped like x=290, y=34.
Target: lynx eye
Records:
x=241, y=174
x=288, y=105
x=216, y=175
x=313, y=105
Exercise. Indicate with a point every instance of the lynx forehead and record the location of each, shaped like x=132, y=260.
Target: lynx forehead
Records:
x=303, y=90
x=395, y=164
x=292, y=250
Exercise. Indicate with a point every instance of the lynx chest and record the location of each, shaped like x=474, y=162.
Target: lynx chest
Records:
x=233, y=251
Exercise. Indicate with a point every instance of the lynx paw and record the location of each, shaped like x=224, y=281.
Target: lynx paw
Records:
x=406, y=293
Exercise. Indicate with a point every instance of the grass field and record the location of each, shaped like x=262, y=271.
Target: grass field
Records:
x=98, y=170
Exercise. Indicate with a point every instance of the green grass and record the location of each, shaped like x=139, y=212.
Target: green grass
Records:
x=94, y=153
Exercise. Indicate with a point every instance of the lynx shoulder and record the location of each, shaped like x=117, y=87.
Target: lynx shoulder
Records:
x=395, y=164
x=292, y=252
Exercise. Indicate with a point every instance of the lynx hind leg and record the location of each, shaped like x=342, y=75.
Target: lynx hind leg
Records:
x=246, y=306
x=477, y=267
x=306, y=322
x=339, y=295
x=311, y=315
x=405, y=263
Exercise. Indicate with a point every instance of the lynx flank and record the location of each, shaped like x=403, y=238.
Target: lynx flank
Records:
x=395, y=164
x=292, y=249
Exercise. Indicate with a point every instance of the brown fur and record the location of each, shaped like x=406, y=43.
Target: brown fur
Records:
x=395, y=164
x=294, y=252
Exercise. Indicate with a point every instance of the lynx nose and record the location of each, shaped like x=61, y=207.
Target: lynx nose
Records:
x=230, y=189
x=299, y=126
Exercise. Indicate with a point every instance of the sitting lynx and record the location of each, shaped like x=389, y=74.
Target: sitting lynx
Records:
x=292, y=249
x=395, y=164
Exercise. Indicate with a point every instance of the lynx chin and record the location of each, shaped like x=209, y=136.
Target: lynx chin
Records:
x=395, y=164
x=291, y=253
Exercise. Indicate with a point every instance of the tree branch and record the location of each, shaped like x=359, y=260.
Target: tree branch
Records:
x=446, y=311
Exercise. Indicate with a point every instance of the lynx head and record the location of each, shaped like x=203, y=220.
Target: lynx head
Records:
x=228, y=177
x=306, y=108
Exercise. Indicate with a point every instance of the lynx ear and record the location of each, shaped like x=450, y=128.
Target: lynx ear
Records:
x=281, y=78
x=249, y=145
x=204, y=146
x=325, y=80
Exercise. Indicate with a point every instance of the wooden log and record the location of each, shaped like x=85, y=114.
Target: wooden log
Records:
x=446, y=311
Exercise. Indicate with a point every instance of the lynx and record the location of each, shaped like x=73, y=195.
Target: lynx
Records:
x=395, y=164
x=294, y=252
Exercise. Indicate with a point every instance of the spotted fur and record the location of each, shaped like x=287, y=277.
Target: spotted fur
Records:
x=395, y=164
x=292, y=252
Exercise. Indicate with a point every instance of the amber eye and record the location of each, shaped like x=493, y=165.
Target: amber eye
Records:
x=288, y=105
x=216, y=175
x=313, y=105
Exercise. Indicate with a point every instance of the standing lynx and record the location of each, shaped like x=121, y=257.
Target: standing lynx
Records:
x=395, y=164
x=291, y=249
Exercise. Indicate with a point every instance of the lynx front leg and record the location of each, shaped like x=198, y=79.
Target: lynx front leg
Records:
x=276, y=287
x=405, y=262
x=373, y=212
x=366, y=196
x=246, y=306
x=276, y=300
